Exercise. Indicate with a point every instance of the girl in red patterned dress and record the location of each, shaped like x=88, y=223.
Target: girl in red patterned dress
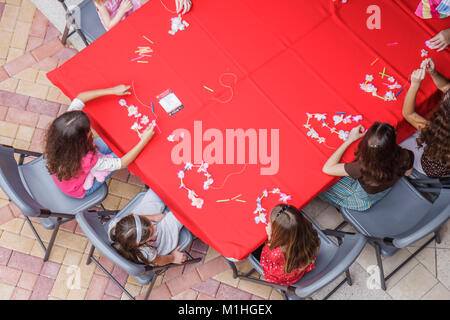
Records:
x=291, y=247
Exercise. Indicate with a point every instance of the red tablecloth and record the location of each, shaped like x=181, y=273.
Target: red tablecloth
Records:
x=289, y=56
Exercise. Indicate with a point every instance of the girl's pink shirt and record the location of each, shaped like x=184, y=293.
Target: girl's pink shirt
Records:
x=74, y=186
x=113, y=6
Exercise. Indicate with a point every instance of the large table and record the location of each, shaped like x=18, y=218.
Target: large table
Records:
x=282, y=59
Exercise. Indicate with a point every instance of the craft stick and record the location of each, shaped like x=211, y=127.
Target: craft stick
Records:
x=136, y=58
x=140, y=61
x=157, y=127
x=148, y=39
x=236, y=197
x=208, y=88
x=226, y=200
x=146, y=55
x=240, y=200
x=375, y=61
x=153, y=110
x=398, y=93
x=392, y=43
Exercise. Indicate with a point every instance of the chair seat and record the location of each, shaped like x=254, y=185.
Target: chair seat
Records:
x=90, y=22
x=398, y=212
x=40, y=185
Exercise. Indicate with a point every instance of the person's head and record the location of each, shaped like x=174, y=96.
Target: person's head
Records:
x=69, y=139
x=290, y=230
x=130, y=233
x=379, y=154
x=436, y=135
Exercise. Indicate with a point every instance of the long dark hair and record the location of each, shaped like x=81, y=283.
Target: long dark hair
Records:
x=124, y=234
x=436, y=135
x=67, y=142
x=379, y=155
x=291, y=230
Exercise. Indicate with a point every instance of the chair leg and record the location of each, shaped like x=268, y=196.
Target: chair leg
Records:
x=233, y=267
x=380, y=266
x=36, y=234
x=52, y=239
x=348, y=277
x=65, y=35
x=437, y=236
x=91, y=253
x=150, y=288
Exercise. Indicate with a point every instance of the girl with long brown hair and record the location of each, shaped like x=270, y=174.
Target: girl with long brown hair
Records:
x=149, y=237
x=71, y=153
x=430, y=143
x=291, y=248
x=379, y=163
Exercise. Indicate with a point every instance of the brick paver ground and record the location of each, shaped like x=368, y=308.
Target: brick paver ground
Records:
x=30, y=47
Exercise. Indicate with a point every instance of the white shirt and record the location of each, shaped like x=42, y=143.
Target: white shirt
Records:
x=103, y=164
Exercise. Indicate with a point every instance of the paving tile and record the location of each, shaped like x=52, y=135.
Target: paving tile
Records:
x=135, y=180
x=56, y=255
x=9, y=275
x=42, y=288
x=77, y=294
x=48, y=49
x=208, y=287
x=52, y=33
x=186, y=295
x=19, y=64
x=25, y=133
x=20, y=35
x=9, y=85
x=445, y=236
x=173, y=272
x=13, y=54
x=5, y=254
x=123, y=190
x=86, y=272
x=121, y=276
x=213, y=267
x=55, y=95
x=3, y=74
x=9, y=17
x=50, y=269
x=226, y=292
x=2, y=7
x=48, y=64
x=211, y=254
x=195, y=255
x=69, y=226
x=443, y=261
x=199, y=246
x=65, y=54
x=438, y=292
x=32, y=89
x=5, y=38
x=255, y=289
x=111, y=202
x=43, y=107
x=15, y=242
x=42, y=78
x=21, y=144
x=21, y=294
x=27, y=280
x=25, y=262
x=65, y=279
x=184, y=282
x=39, y=25
x=106, y=297
x=107, y=264
x=63, y=109
x=121, y=175
x=3, y=112
x=27, y=11
x=133, y=290
x=413, y=285
x=13, y=226
x=275, y=295
x=5, y=215
x=202, y=296
x=15, y=210
x=33, y=43
x=6, y=291
x=10, y=99
x=97, y=288
x=29, y=74
x=227, y=278
x=38, y=141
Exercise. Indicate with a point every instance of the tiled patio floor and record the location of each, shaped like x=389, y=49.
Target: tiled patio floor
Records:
x=29, y=48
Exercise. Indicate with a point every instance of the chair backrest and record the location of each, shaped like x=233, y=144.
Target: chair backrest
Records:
x=12, y=185
x=96, y=233
x=436, y=216
x=88, y=20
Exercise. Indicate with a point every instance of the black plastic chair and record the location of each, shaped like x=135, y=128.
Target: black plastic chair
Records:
x=32, y=189
x=84, y=20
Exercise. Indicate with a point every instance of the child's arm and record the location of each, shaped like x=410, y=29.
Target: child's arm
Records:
x=439, y=80
x=155, y=217
x=124, y=7
x=332, y=166
x=441, y=40
x=129, y=157
x=120, y=90
x=408, y=111
x=176, y=256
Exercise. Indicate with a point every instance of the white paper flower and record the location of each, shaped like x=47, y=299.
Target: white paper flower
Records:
x=132, y=110
x=424, y=53
x=197, y=202
x=207, y=183
x=145, y=120
x=369, y=77
x=181, y=174
x=321, y=140
x=389, y=96
x=203, y=167
x=275, y=190
x=171, y=138
x=122, y=102
x=136, y=126
x=320, y=117
x=188, y=166
x=284, y=197
x=338, y=119
x=261, y=218
x=343, y=135
x=357, y=118
x=347, y=119
x=391, y=79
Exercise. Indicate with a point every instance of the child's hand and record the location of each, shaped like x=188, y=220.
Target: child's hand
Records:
x=121, y=90
x=441, y=40
x=125, y=6
x=147, y=135
x=428, y=65
x=178, y=256
x=417, y=76
x=186, y=4
x=356, y=133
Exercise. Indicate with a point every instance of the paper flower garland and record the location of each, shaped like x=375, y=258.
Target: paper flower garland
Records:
x=141, y=120
x=260, y=210
x=368, y=87
x=343, y=135
x=196, y=201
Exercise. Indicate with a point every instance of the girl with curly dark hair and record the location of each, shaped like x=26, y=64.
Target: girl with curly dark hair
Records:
x=379, y=164
x=71, y=153
x=291, y=248
x=431, y=142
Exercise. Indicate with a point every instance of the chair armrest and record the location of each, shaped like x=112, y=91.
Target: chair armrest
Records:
x=335, y=233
